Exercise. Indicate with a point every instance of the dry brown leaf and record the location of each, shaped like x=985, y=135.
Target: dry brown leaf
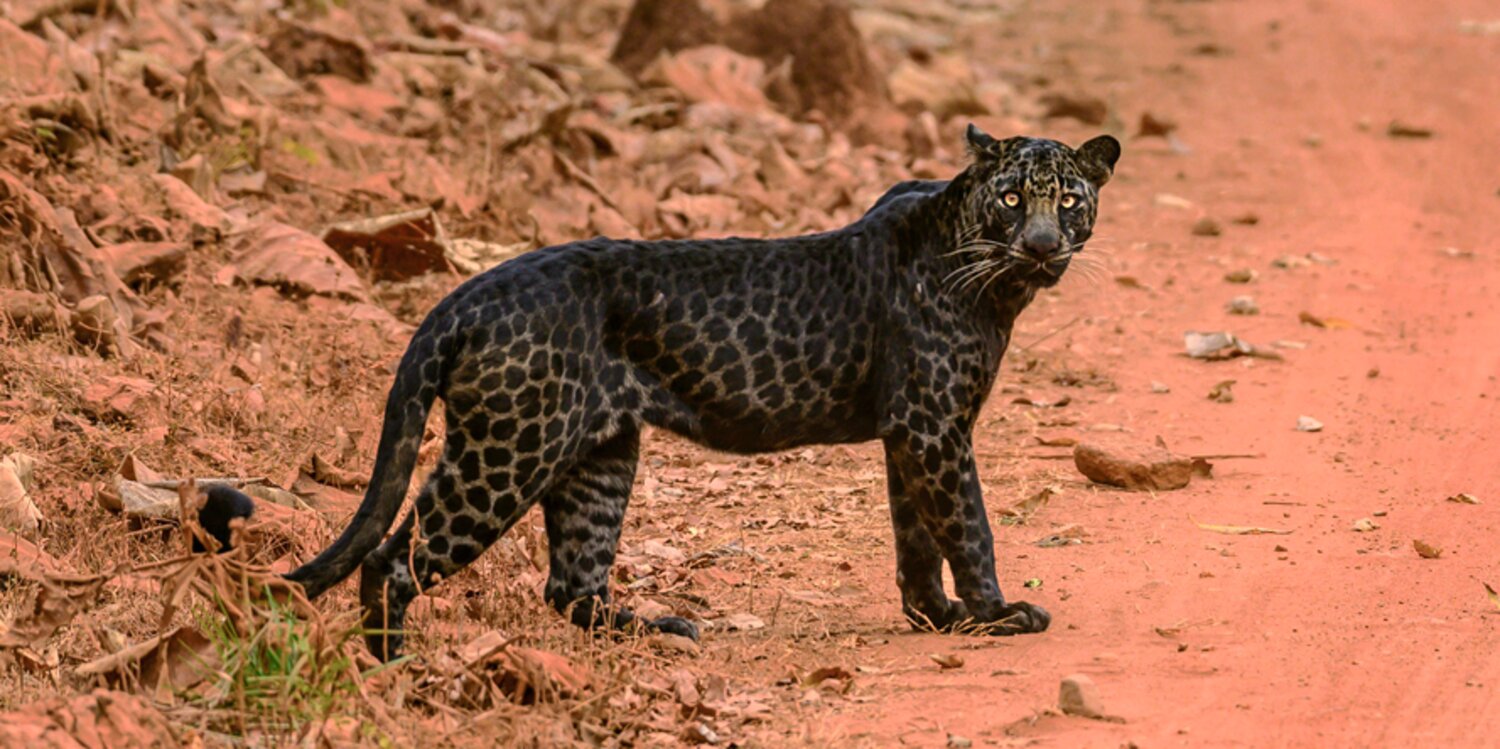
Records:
x=712, y=73
x=162, y=665
x=326, y=472
x=1329, y=323
x=99, y=720
x=818, y=676
x=526, y=676
x=1242, y=530
x=743, y=622
x=1426, y=550
x=17, y=510
x=1223, y=392
x=62, y=596
x=294, y=262
x=1022, y=511
x=947, y=661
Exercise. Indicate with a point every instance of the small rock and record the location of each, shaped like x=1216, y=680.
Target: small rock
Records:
x=1160, y=388
x=1207, y=227
x=1426, y=550
x=1090, y=110
x=1138, y=468
x=1223, y=392
x=700, y=733
x=1169, y=200
x=1365, y=525
x=1243, y=305
x=958, y=742
x=1246, y=219
x=1079, y=696
x=1242, y=275
x=1309, y=424
x=1288, y=262
x=1153, y=125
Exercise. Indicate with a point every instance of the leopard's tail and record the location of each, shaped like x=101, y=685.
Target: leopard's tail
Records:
x=406, y=410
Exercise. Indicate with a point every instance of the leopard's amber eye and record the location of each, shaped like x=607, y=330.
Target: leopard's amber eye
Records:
x=1011, y=199
x=1068, y=201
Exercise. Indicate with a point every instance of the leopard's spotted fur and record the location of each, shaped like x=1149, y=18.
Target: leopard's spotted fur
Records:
x=891, y=328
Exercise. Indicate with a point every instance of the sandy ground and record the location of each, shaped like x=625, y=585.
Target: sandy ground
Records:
x=1325, y=636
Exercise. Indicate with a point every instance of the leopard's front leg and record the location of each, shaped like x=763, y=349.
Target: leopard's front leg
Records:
x=937, y=508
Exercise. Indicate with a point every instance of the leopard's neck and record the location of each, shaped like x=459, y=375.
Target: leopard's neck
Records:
x=943, y=221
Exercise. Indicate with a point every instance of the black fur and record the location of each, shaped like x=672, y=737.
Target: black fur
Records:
x=222, y=504
x=891, y=328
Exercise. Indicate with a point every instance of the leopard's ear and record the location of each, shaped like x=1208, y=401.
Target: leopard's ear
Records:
x=1098, y=157
x=979, y=144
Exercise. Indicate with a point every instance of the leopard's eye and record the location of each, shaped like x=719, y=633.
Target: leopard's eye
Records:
x=1068, y=201
x=1011, y=199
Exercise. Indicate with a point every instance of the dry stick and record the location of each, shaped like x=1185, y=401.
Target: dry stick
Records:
x=1054, y=332
x=587, y=180
x=1069, y=456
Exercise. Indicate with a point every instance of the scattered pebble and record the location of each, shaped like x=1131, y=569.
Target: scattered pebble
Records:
x=1172, y=201
x=958, y=742
x=1365, y=525
x=1223, y=392
x=1207, y=227
x=1464, y=498
x=1243, y=305
x=1242, y=275
x=1309, y=424
x=1426, y=550
x=1454, y=252
x=1154, y=125
x=1160, y=388
x=1079, y=696
x=1289, y=262
x=1246, y=219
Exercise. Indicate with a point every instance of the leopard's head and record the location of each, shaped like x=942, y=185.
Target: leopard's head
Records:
x=1031, y=204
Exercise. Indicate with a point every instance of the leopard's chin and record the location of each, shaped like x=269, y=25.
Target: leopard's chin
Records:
x=1045, y=275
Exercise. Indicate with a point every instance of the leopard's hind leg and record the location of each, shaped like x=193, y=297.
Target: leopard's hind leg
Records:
x=460, y=512
x=584, y=511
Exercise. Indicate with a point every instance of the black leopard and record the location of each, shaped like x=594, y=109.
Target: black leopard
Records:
x=890, y=329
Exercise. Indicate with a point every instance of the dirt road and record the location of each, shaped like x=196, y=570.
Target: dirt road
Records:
x=1325, y=636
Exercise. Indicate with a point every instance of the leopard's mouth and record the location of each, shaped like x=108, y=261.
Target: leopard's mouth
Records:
x=1043, y=274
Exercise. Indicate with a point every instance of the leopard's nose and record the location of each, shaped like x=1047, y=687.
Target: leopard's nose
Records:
x=1041, y=245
